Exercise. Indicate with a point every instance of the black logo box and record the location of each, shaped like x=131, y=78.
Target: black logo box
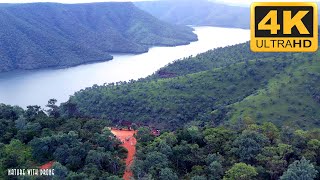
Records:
x=262, y=11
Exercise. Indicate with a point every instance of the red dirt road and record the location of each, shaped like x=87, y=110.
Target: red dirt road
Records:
x=129, y=142
x=47, y=165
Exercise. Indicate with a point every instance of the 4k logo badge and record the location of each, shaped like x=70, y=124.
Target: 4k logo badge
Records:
x=284, y=27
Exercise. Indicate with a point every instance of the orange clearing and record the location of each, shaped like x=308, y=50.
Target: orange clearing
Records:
x=129, y=142
x=47, y=165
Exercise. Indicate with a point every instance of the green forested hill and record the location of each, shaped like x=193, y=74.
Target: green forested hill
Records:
x=209, y=88
x=79, y=148
x=291, y=98
x=216, y=58
x=40, y=35
x=197, y=12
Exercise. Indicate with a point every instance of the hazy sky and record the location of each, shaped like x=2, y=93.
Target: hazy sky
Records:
x=248, y=2
x=238, y=2
x=64, y=1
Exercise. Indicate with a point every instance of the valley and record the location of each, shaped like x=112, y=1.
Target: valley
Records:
x=185, y=102
x=36, y=87
x=199, y=13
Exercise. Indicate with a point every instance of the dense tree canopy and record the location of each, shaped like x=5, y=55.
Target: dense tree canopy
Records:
x=227, y=152
x=80, y=148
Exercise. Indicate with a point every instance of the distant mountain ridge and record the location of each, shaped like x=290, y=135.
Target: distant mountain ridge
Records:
x=42, y=35
x=198, y=13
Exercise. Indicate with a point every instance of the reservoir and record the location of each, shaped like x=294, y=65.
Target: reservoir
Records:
x=36, y=87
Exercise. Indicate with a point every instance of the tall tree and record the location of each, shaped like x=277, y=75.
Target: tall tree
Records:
x=300, y=170
x=248, y=145
x=167, y=174
x=53, y=110
x=240, y=171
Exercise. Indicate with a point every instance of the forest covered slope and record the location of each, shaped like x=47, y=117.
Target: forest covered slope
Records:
x=208, y=87
x=41, y=35
x=223, y=114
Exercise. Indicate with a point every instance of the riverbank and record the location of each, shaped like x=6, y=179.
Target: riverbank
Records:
x=38, y=86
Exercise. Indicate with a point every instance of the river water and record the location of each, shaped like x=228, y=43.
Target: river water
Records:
x=36, y=87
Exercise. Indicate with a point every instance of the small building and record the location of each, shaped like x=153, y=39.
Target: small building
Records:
x=155, y=132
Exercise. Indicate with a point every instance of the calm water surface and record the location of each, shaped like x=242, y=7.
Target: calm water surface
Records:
x=36, y=87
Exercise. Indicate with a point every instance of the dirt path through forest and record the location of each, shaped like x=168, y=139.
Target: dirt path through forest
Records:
x=48, y=165
x=129, y=142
